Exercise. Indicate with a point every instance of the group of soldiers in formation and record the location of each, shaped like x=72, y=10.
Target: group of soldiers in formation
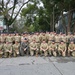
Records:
x=43, y=44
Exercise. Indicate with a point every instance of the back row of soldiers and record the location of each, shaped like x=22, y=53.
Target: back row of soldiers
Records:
x=48, y=43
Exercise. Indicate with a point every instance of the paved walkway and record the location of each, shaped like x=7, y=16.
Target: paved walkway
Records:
x=37, y=66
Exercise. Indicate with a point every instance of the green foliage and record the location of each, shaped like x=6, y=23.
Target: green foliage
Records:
x=41, y=18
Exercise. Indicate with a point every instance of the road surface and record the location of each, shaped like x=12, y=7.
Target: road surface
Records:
x=37, y=66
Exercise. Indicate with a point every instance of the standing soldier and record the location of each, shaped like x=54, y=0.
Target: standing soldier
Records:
x=68, y=38
x=17, y=37
x=44, y=48
x=33, y=48
x=30, y=37
x=71, y=49
x=24, y=47
x=53, y=49
x=9, y=38
x=47, y=35
x=71, y=38
x=42, y=37
x=16, y=48
x=1, y=49
x=51, y=37
x=37, y=39
x=62, y=48
x=57, y=39
x=3, y=38
x=7, y=49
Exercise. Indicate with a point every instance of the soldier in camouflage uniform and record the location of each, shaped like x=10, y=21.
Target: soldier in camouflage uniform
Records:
x=51, y=37
x=71, y=49
x=16, y=48
x=42, y=37
x=44, y=48
x=33, y=48
x=7, y=49
x=53, y=49
x=17, y=37
x=1, y=49
x=37, y=39
x=2, y=37
x=62, y=49
x=9, y=38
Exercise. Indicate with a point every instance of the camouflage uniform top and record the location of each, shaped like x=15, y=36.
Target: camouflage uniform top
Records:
x=62, y=47
x=44, y=45
x=53, y=46
x=71, y=46
x=16, y=46
x=57, y=39
x=33, y=45
x=7, y=47
x=9, y=39
x=36, y=38
x=17, y=38
x=1, y=47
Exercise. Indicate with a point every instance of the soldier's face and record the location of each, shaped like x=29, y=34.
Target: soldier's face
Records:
x=25, y=40
x=53, y=42
x=62, y=42
x=37, y=33
x=16, y=42
x=43, y=41
x=7, y=42
x=34, y=41
x=72, y=43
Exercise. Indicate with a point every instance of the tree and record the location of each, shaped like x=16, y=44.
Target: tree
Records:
x=10, y=9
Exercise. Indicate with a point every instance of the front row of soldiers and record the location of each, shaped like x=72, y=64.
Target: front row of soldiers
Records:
x=25, y=48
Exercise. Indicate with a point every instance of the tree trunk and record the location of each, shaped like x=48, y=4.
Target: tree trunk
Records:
x=74, y=27
x=7, y=26
x=51, y=23
x=69, y=21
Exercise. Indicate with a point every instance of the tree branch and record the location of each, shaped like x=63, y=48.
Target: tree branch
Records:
x=2, y=3
x=18, y=11
x=13, y=8
x=7, y=3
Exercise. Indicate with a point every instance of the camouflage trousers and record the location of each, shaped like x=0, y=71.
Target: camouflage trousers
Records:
x=34, y=52
x=71, y=53
x=52, y=52
x=1, y=54
x=45, y=53
x=61, y=53
x=15, y=53
x=7, y=54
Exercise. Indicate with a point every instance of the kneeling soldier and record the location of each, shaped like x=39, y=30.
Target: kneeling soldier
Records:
x=1, y=49
x=44, y=48
x=24, y=48
x=7, y=49
x=71, y=49
x=33, y=48
x=16, y=48
x=62, y=48
x=53, y=49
